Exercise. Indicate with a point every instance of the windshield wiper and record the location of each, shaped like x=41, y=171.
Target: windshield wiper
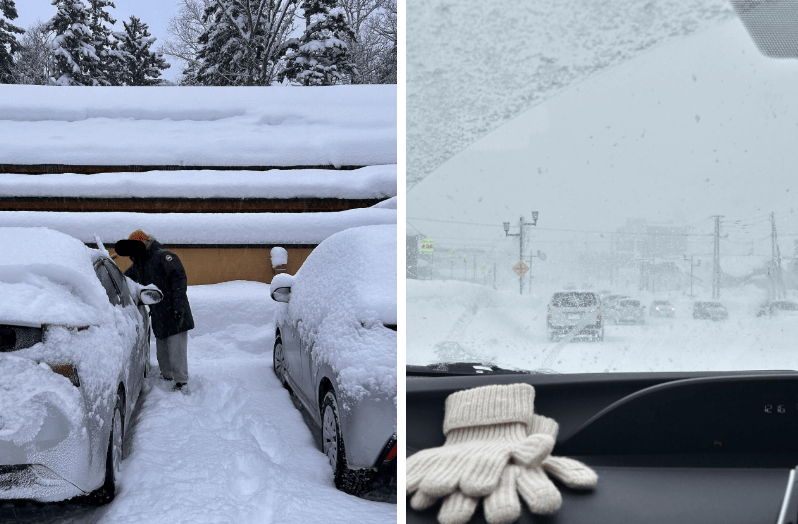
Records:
x=459, y=368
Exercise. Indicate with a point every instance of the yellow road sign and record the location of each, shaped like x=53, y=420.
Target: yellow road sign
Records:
x=520, y=268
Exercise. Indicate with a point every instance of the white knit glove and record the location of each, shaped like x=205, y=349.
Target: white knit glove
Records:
x=503, y=506
x=486, y=429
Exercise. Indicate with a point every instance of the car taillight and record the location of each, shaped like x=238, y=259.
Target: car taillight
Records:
x=391, y=454
x=67, y=370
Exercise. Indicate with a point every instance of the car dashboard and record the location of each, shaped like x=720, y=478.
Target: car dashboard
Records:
x=668, y=447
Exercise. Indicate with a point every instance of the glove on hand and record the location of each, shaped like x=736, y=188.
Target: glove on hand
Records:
x=502, y=506
x=486, y=428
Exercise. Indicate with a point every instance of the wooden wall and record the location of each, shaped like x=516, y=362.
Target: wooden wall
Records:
x=214, y=264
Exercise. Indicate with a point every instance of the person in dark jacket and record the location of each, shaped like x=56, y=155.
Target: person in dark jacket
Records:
x=171, y=318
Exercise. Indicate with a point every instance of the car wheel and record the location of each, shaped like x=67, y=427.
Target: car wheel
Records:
x=113, y=458
x=352, y=481
x=278, y=359
x=550, y=335
x=600, y=337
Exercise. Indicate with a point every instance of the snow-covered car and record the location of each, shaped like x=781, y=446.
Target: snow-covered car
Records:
x=709, y=311
x=574, y=310
x=74, y=351
x=629, y=311
x=335, y=348
x=781, y=308
x=661, y=308
x=608, y=305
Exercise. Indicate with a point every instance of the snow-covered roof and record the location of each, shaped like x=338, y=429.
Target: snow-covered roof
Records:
x=202, y=228
x=201, y=126
x=371, y=182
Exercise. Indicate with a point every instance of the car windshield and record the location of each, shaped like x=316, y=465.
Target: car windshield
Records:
x=640, y=150
x=574, y=300
x=786, y=306
x=630, y=303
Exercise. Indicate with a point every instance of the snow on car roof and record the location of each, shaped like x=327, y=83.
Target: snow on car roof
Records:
x=343, y=292
x=47, y=277
x=367, y=182
x=203, y=228
x=200, y=126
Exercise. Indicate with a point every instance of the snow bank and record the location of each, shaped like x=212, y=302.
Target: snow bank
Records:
x=203, y=228
x=367, y=182
x=46, y=277
x=344, y=292
x=205, y=126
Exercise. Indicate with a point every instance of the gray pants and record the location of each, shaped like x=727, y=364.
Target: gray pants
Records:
x=172, y=356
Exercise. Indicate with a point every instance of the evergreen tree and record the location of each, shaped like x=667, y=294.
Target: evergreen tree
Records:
x=9, y=45
x=320, y=56
x=75, y=56
x=140, y=66
x=105, y=70
x=242, y=43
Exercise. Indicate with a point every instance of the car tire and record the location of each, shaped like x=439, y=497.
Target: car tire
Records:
x=352, y=481
x=600, y=337
x=278, y=362
x=550, y=335
x=113, y=458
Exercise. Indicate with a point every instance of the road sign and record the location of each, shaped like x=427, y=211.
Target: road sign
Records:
x=428, y=245
x=520, y=268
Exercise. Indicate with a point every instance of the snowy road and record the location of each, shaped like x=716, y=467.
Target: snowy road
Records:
x=235, y=451
x=503, y=328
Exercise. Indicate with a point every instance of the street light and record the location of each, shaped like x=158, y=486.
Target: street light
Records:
x=520, y=236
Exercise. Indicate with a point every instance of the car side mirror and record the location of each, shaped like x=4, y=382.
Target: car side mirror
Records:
x=281, y=294
x=150, y=296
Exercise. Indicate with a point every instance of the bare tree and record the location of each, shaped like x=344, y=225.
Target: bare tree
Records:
x=35, y=62
x=371, y=49
x=184, y=31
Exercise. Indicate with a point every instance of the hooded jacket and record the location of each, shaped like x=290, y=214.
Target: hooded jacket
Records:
x=162, y=268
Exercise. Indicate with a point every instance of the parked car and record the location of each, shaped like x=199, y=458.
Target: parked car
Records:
x=74, y=352
x=781, y=308
x=609, y=303
x=570, y=310
x=661, y=308
x=629, y=311
x=335, y=348
x=710, y=311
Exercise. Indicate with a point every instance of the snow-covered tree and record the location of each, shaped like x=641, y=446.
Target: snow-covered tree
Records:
x=321, y=55
x=139, y=65
x=105, y=70
x=9, y=45
x=35, y=61
x=242, y=43
x=75, y=55
x=184, y=30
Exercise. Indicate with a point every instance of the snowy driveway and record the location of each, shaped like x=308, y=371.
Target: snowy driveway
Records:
x=235, y=451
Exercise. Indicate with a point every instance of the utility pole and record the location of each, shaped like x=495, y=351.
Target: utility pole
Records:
x=691, y=272
x=520, y=235
x=716, y=260
x=775, y=263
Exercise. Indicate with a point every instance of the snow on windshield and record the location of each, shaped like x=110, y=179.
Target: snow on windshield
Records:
x=46, y=277
x=343, y=293
x=668, y=177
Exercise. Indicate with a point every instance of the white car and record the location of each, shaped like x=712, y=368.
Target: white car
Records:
x=74, y=351
x=335, y=348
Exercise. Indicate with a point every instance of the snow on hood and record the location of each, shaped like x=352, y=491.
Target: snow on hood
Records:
x=26, y=391
x=344, y=293
x=47, y=277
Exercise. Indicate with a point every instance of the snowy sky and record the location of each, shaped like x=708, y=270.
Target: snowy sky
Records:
x=155, y=13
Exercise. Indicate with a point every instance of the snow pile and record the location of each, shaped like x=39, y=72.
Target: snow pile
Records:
x=26, y=392
x=203, y=228
x=199, y=126
x=391, y=203
x=368, y=182
x=279, y=256
x=479, y=76
x=46, y=277
x=344, y=293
